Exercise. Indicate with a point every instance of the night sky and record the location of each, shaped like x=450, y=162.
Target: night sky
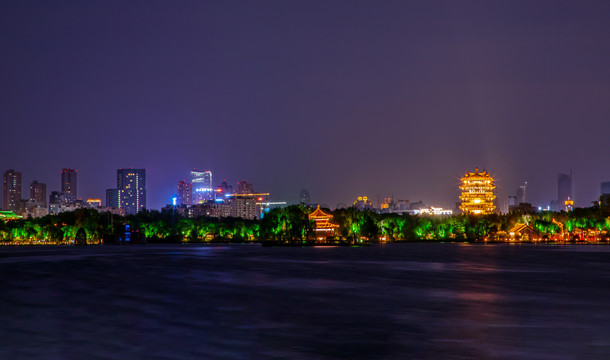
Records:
x=344, y=98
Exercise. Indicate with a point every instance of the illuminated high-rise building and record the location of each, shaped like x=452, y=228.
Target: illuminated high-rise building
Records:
x=202, y=186
x=478, y=193
x=248, y=205
x=68, y=184
x=521, y=194
x=38, y=192
x=223, y=189
x=185, y=193
x=244, y=187
x=130, y=193
x=11, y=186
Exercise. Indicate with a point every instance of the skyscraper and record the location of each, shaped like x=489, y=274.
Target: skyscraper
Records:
x=11, y=186
x=304, y=197
x=564, y=190
x=130, y=193
x=185, y=193
x=68, y=184
x=38, y=192
x=244, y=187
x=223, y=189
x=521, y=194
x=201, y=186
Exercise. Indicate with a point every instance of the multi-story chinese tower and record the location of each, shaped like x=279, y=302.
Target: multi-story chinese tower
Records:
x=322, y=225
x=478, y=193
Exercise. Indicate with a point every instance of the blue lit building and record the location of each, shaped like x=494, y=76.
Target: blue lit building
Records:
x=202, y=186
x=130, y=193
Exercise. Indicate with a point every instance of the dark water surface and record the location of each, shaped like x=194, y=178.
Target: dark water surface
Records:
x=407, y=301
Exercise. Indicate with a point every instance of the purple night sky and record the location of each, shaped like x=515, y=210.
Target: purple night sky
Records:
x=344, y=98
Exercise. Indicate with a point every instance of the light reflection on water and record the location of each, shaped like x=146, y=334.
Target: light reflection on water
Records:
x=409, y=301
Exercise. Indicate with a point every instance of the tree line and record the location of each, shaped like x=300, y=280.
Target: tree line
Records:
x=292, y=224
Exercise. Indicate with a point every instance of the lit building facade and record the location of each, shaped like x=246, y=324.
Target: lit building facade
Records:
x=247, y=206
x=185, y=193
x=202, y=189
x=431, y=211
x=130, y=193
x=223, y=189
x=209, y=209
x=569, y=204
x=11, y=189
x=38, y=192
x=478, y=193
x=244, y=187
x=362, y=203
x=68, y=184
x=94, y=203
x=387, y=205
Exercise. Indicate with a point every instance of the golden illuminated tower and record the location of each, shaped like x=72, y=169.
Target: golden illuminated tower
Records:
x=477, y=193
x=322, y=225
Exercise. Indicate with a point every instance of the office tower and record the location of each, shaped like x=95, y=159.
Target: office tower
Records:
x=244, y=187
x=201, y=186
x=605, y=188
x=68, y=184
x=223, y=189
x=478, y=193
x=185, y=193
x=130, y=193
x=304, y=197
x=11, y=186
x=521, y=194
x=38, y=192
x=564, y=190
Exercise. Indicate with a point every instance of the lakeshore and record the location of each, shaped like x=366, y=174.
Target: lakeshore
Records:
x=299, y=225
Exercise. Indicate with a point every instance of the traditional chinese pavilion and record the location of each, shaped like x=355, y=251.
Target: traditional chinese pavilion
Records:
x=9, y=215
x=323, y=227
x=478, y=193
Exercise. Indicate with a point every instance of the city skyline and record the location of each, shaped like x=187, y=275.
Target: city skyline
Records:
x=375, y=99
x=563, y=189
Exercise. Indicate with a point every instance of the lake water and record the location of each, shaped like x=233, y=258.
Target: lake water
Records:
x=398, y=301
